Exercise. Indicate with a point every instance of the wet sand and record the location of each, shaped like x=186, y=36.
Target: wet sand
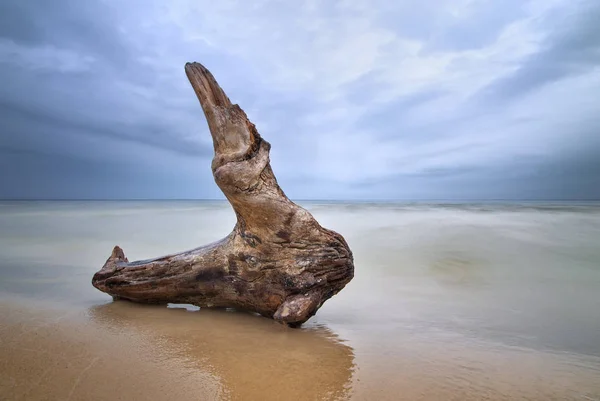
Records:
x=434, y=313
x=123, y=351
x=129, y=352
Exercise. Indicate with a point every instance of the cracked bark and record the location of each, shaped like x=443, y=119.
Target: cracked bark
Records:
x=278, y=261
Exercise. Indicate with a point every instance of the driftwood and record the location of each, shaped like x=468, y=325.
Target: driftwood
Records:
x=278, y=261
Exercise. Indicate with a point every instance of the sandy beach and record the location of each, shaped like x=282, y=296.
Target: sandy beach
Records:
x=449, y=303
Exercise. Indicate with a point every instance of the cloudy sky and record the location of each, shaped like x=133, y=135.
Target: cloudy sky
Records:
x=361, y=99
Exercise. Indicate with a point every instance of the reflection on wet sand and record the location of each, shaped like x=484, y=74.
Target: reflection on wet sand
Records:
x=124, y=351
x=252, y=357
x=58, y=355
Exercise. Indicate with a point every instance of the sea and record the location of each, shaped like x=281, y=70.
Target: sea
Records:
x=450, y=301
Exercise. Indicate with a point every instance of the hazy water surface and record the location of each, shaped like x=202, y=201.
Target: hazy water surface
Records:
x=449, y=301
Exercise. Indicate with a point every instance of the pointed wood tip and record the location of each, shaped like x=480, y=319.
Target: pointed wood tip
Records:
x=118, y=254
x=205, y=85
x=110, y=267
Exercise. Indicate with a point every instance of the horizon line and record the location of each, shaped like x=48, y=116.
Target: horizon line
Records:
x=305, y=200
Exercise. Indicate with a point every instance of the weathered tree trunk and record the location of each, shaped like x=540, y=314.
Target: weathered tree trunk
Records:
x=278, y=261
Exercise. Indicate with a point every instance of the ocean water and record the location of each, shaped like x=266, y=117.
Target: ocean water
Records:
x=449, y=301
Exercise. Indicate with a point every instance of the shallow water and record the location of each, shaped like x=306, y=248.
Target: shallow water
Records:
x=449, y=301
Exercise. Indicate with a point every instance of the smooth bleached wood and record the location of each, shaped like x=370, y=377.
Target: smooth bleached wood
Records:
x=278, y=261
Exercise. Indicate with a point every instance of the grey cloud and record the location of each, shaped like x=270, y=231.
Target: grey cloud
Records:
x=521, y=181
x=40, y=175
x=94, y=101
x=478, y=25
x=126, y=124
x=571, y=48
x=486, y=20
x=571, y=175
x=68, y=134
x=37, y=174
x=378, y=119
x=28, y=124
x=66, y=23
